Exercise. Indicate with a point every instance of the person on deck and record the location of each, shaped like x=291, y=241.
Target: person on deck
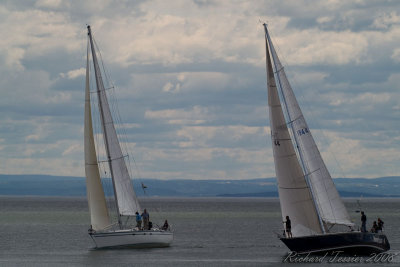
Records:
x=288, y=226
x=363, y=222
x=138, y=221
x=374, y=228
x=146, y=218
x=165, y=226
x=380, y=225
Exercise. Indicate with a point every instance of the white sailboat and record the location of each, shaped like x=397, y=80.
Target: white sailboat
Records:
x=307, y=193
x=103, y=232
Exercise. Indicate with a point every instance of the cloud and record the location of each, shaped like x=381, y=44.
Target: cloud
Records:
x=49, y=3
x=190, y=80
x=72, y=74
x=195, y=116
x=385, y=20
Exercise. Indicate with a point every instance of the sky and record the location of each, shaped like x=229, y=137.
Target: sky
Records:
x=191, y=84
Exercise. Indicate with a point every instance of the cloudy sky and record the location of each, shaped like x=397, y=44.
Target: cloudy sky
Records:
x=190, y=79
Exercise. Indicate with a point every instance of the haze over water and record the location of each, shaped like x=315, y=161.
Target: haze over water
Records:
x=52, y=231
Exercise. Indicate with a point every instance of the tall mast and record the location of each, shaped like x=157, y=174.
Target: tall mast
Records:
x=100, y=87
x=290, y=122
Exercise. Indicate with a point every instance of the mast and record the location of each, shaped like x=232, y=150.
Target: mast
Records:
x=100, y=85
x=305, y=172
x=126, y=200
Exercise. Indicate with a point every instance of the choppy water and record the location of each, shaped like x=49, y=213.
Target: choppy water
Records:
x=51, y=231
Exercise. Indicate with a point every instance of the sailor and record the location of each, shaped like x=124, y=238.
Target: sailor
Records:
x=165, y=226
x=380, y=225
x=363, y=222
x=374, y=228
x=138, y=221
x=146, y=218
x=288, y=226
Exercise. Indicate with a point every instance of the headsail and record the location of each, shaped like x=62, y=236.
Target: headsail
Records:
x=327, y=200
x=294, y=194
x=97, y=204
x=126, y=199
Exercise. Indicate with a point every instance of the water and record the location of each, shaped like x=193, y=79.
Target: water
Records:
x=52, y=231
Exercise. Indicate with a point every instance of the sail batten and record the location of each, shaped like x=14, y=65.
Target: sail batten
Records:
x=330, y=207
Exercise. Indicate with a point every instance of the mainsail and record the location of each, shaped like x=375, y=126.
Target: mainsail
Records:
x=97, y=203
x=294, y=194
x=127, y=203
x=330, y=208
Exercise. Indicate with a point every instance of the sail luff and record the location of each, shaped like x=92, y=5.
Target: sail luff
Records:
x=294, y=194
x=127, y=203
x=329, y=204
x=99, y=216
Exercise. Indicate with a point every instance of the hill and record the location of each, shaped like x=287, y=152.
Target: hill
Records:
x=46, y=185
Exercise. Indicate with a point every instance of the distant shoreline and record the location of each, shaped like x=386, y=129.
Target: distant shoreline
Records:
x=48, y=185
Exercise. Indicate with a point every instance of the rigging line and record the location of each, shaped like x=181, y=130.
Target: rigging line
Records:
x=125, y=142
x=107, y=190
x=121, y=132
x=106, y=77
x=120, y=129
x=124, y=136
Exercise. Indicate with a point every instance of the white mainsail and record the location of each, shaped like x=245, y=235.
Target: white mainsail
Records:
x=294, y=194
x=99, y=217
x=127, y=203
x=330, y=207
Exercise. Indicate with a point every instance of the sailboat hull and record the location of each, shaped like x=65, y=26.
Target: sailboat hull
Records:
x=351, y=243
x=132, y=238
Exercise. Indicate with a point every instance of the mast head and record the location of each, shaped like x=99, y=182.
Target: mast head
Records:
x=88, y=27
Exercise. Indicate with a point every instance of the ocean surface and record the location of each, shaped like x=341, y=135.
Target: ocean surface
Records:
x=52, y=231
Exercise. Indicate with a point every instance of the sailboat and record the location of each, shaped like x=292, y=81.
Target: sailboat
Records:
x=307, y=194
x=103, y=232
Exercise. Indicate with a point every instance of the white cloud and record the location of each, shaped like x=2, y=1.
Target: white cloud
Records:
x=48, y=3
x=168, y=87
x=314, y=46
x=386, y=19
x=72, y=74
x=196, y=115
x=396, y=55
x=348, y=157
x=324, y=19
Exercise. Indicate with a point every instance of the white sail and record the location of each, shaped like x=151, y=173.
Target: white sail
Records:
x=97, y=203
x=294, y=194
x=330, y=206
x=126, y=199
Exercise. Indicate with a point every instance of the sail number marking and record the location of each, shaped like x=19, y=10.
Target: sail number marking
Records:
x=302, y=131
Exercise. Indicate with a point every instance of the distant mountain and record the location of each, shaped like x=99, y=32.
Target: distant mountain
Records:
x=46, y=185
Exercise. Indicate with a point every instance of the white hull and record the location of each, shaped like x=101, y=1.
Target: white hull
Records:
x=132, y=238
